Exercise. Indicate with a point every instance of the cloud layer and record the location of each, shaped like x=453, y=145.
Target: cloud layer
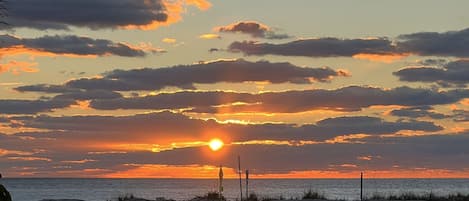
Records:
x=453, y=43
x=185, y=76
x=454, y=73
x=96, y=14
x=68, y=45
x=321, y=47
x=252, y=28
x=105, y=141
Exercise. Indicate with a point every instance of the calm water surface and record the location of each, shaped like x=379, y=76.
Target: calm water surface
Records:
x=182, y=189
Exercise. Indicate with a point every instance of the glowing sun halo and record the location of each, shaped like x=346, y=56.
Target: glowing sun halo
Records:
x=215, y=144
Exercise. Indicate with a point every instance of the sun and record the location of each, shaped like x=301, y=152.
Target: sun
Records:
x=215, y=144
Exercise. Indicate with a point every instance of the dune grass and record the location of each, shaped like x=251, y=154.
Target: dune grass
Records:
x=421, y=197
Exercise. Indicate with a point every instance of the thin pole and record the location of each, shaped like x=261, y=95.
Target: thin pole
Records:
x=247, y=184
x=220, y=182
x=361, y=186
x=240, y=179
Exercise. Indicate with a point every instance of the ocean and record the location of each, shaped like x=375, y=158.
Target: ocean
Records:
x=183, y=189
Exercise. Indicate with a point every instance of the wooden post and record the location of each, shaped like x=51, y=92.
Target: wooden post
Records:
x=361, y=186
x=240, y=179
x=220, y=182
x=247, y=184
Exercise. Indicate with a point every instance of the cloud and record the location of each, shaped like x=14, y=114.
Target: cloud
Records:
x=169, y=40
x=185, y=76
x=252, y=28
x=163, y=127
x=98, y=134
x=17, y=67
x=319, y=99
x=66, y=98
x=452, y=43
x=418, y=112
x=69, y=45
x=461, y=115
x=89, y=95
x=103, y=97
x=178, y=100
x=455, y=73
x=46, y=88
x=32, y=106
x=210, y=36
x=317, y=47
x=97, y=14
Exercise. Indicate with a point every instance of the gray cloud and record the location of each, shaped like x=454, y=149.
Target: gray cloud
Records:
x=452, y=43
x=461, y=115
x=269, y=102
x=165, y=126
x=405, y=152
x=32, y=106
x=417, y=112
x=454, y=73
x=94, y=14
x=178, y=100
x=67, y=98
x=286, y=102
x=301, y=101
x=321, y=47
x=75, y=45
x=47, y=88
x=89, y=95
x=255, y=29
x=185, y=76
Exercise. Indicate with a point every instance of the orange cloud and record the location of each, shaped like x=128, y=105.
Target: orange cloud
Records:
x=169, y=40
x=17, y=67
x=210, y=36
x=414, y=173
x=168, y=171
x=175, y=9
x=385, y=58
x=22, y=50
x=206, y=171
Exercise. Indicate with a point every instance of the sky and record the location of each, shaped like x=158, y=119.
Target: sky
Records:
x=297, y=89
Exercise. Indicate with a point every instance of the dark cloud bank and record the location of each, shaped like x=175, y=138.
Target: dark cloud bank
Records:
x=185, y=76
x=269, y=102
x=254, y=29
x=74, y=45
x=94, y=14
x=455, y=73
x=406, y=152
x=286, y=102
x=453, y=43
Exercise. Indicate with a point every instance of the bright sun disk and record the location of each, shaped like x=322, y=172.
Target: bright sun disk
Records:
x=215, y=144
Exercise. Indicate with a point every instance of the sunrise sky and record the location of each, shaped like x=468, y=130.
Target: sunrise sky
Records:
x=298, y=89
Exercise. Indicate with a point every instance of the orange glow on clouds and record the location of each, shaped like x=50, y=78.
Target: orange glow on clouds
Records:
x=168, y=171
x=17, y=67
x=385, y=58
x=175, y=9
x=21, y=50
x=206, y=171
x=210, y=36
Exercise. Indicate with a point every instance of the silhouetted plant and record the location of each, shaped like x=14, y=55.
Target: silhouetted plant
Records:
x=210, y=196
x=313, y=195
x=252, y=197
x=421, y=197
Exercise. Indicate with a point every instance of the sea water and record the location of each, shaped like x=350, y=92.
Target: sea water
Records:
x=184, y=189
